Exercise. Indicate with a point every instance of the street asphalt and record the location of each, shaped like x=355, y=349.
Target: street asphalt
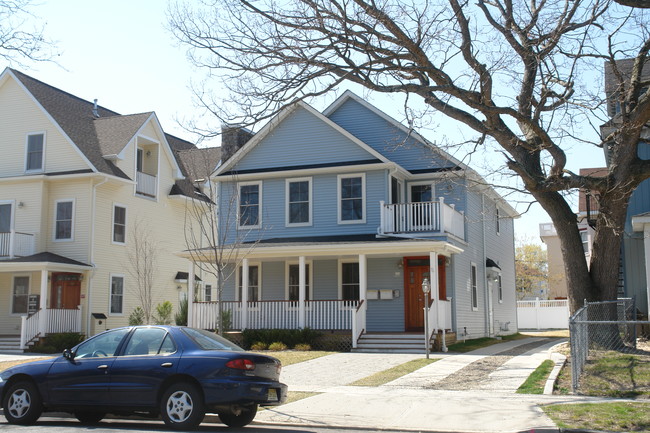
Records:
x=458, y=393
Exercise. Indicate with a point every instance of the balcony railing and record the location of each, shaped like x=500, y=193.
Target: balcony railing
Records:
x=145, y=184
x=421, y=217
x=16, y=244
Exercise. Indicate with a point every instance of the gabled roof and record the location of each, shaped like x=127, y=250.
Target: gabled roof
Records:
x=278, y=119
x=94, y=137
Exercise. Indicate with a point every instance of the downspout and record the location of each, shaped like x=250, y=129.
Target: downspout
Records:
x=93, y=213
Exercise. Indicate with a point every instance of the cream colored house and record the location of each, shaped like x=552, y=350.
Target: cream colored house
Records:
x=76, y=179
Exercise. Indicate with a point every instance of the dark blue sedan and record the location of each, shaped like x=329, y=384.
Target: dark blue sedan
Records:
x=177, y=373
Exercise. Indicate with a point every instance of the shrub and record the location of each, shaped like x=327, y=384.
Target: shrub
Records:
x=277, y=346
x=227, y=320
x=302, y=347
x=259, y=346
x=290, y=337
x=136, y=317
x=56, y=343
x=163, y=314
x=180, y=318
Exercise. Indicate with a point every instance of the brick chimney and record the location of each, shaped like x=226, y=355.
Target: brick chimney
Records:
x=232, y=139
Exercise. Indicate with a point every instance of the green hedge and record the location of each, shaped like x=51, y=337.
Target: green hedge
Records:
x=56, y=343
x=290, y=337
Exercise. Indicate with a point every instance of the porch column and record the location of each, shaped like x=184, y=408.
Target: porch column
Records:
x=433, y=265
x=301, y=291
x=363, y=277
x=244, y=294
x=42, y=315
x=190, y=294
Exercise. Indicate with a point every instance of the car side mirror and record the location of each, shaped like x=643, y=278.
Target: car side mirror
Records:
x=68, y=354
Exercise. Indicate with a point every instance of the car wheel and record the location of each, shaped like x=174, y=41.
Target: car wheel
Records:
x=89, y=417
x=239, y=417
x=22, y=404
x=182, y=406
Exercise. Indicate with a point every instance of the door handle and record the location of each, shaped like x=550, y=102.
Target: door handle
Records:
x=166, y=364
x=102, y=367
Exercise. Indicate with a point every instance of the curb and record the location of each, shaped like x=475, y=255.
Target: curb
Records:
x=559, y=360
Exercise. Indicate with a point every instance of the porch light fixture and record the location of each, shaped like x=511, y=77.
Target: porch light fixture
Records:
x=21, y=204
x=426, y=289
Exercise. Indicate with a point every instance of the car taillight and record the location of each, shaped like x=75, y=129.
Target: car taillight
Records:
x=241, y=364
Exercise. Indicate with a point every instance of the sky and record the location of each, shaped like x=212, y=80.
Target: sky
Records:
x=121, y=53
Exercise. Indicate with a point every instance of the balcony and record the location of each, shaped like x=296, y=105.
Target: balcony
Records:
x=435, y=217
x=16, y=244
x=145, y=184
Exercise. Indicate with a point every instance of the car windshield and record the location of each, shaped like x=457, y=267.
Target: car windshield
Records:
x=210, y=341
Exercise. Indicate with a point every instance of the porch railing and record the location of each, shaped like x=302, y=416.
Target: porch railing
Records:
x=145, y=184
x=319, y=314
x=16, y=244
x=49, y=321
x=358, y=322
x=419, y=217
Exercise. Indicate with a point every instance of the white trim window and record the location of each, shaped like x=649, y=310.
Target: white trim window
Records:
x=351, y=198
x=473, y=276
x=497, y=217
x=421, y=192
x=207, y=293
x=119, y=224
x=292, y=292
x=35, y=152
x=299, y=202
x=116, y=300
x=349, y=280
x=500, y=288
x=6, y=216
x=254, y=282
x=250, y=204
x=20, y=294
x=64, y=220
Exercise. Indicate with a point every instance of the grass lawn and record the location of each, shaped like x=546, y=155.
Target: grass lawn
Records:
x=537, y=379
x=288, y=357
x=478, y=343
x=385, y=376
x=614, y=417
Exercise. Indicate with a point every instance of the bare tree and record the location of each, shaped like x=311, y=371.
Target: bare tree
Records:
x=142, y=266
x=216, y=243
x=20, y=38
x=519, y=75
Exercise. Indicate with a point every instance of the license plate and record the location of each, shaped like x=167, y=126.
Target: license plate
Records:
x=272, y=395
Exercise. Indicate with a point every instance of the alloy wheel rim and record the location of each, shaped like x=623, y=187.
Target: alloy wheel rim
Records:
x=179, y=406
x=19, y=403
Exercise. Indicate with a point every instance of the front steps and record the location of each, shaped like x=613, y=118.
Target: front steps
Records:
x=400, y=342
x=10, y=344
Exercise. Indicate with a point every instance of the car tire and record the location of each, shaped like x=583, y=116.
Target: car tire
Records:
x=89, y=417
x=243, y=416
x=182, y=406
x=22, y=403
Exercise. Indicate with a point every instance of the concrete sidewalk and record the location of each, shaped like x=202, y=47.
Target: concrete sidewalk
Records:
x=409, y=403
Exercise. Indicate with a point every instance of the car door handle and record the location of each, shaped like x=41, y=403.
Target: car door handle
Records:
x=102, y=367
x=166, y=364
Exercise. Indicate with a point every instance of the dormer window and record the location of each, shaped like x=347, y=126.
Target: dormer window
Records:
x=35, y=152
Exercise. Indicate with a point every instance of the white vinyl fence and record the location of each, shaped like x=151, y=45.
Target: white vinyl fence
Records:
x=540, y=314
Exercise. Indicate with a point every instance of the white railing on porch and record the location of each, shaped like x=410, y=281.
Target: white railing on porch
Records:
x=49, y=321
x=419, y=217
x=320, y=314
x=439, y=316
x=358, y=322
x=16, y=244
x=145, y=184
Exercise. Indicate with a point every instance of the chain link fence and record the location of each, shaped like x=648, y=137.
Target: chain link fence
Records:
x=602, y=326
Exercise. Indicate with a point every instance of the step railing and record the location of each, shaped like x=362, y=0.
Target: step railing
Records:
x=358, y=322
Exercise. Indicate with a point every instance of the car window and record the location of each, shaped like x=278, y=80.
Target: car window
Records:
x=209, y=341
x=149, y=341
x=105, y=344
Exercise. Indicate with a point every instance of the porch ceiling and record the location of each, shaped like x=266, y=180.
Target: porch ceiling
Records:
x=386, y=247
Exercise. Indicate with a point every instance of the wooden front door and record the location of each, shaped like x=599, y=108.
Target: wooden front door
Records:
x=65, y=291
x=416, y=270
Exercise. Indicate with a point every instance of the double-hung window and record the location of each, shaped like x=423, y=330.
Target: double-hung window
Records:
x=350, y=281
x=473, y=287
x=500, y=288
x=20, y=295
x=299, y=202
x=253, y=283
x=117, y=294
x=294, y=282
x=250, y=202
x=119, y=224
x=207, y=294
x=35, y=152
x=64, y=223
x=352, y=198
